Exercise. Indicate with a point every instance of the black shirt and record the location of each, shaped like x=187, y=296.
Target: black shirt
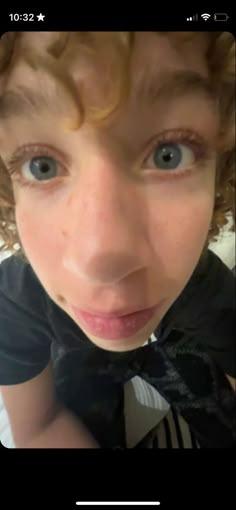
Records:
x=195, y=347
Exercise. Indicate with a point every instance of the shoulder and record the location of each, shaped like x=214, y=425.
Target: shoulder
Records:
x=17, y=279
x=25, y=332
x=205, y=311
x=21, y=291
x=211, y=289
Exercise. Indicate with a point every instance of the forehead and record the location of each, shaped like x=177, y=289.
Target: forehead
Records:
x=169, y=50
x=151, y=50
x=154, y=56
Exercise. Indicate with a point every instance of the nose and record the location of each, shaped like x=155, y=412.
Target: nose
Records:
x=104, y=226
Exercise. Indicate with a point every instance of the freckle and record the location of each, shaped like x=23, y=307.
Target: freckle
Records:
x=68, y=202
x=60, y=299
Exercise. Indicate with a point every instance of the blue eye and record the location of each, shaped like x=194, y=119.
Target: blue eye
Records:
x=171, y=156
x=40, y=168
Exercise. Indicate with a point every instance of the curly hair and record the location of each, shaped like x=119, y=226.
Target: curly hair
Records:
x=117, y=48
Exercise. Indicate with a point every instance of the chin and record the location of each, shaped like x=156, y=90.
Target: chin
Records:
x=122, y=345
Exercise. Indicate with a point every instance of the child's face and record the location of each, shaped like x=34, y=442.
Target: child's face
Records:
x=114, y=228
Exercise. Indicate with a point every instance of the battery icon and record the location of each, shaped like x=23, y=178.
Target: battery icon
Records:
x=221, y=17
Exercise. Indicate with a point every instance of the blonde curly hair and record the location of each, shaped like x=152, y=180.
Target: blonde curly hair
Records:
x=117, y=47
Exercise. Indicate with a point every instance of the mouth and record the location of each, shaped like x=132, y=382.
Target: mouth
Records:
x=114, y=327
x=122, y=312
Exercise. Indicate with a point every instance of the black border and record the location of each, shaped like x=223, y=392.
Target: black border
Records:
x=190, y=479
x=193, y=479
x=161, y=16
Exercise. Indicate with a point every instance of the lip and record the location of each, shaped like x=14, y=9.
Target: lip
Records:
x=113, y=314
x=116, y=327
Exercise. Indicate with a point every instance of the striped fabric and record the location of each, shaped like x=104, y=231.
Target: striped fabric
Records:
x=171, y=432
x=151, y=339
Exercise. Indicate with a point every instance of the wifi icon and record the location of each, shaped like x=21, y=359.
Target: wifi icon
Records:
x=205, y=16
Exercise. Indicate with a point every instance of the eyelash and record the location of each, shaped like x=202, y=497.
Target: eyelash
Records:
x=27, y=152
x=184, y=137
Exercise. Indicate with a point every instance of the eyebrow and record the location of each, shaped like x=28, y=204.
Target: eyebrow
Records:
x=174, y=85
x=23, y=102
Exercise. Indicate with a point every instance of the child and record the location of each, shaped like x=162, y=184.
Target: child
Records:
x=139, y=131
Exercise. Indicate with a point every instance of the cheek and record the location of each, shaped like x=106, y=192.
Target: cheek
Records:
x=39, y=240
x=189, y=228
x=183, y=232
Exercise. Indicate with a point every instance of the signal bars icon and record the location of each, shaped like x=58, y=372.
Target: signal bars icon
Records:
x=193, y=18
